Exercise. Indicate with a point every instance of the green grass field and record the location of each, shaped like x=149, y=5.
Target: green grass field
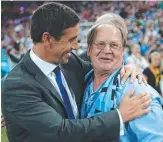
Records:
x=3, y=135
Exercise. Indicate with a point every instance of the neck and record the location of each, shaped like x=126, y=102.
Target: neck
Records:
x=153, y=67
x=99, y=78
x=39, y=50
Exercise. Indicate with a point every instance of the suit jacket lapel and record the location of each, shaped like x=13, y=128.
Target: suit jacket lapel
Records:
x=71, y=81
x=68, y=76
x=39, y=76
x=46, y=83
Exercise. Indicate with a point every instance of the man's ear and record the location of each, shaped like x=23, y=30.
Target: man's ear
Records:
x=89, y=51
x=46, y=38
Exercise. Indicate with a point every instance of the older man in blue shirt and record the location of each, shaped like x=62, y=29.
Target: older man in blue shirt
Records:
x=104, y=90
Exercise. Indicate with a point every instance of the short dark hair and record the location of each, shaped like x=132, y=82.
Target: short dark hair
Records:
x=53, y=18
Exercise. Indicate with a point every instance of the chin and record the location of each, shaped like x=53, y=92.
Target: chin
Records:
x=105, y=67
x=65, y=61
x=108, y=66
x=111, y=68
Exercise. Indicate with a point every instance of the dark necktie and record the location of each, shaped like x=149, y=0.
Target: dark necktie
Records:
x=64, y=93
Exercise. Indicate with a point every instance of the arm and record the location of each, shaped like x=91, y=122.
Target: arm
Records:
x=36, y=116
x=149, y=128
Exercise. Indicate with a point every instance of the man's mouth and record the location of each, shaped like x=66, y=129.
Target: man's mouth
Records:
x=106, y=59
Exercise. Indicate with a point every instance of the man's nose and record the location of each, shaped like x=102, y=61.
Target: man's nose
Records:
x=107, y=49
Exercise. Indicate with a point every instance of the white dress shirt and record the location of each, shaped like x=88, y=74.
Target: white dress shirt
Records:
x=47, y=69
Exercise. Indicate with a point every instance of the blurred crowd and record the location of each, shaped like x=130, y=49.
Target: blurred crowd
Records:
x=145, y=37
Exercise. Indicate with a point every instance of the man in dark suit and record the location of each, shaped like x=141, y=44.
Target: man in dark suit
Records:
x=42, y=95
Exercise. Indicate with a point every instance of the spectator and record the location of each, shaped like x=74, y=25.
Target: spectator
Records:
x=15, y=53
x=137, y=58
x=152, y=73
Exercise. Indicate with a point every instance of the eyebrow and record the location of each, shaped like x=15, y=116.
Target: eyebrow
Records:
x=113, y=41
x=71, y=39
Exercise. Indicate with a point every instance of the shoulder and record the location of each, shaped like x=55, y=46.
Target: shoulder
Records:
x=142, y=88
x=84, y=56
x=16, y=76
x=137, y=87
x=80, y=63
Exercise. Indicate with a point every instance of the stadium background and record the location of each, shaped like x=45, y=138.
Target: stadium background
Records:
x=144, y=20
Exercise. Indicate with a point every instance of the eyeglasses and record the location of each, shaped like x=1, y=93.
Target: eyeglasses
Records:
x=113, y=46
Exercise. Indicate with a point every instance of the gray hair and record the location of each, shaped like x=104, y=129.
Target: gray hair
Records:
x=109, y=19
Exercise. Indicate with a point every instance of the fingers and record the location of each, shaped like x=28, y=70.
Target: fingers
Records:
x=144, y=80
x=133, y=107
x=125, y=76
x=144, y=111
x=129, y=94
x=146, y=104
x=140, y=78
x=142, y=105
x=130, y=70
x=122, y=72
x=141, y=99
x=139, y=96
x=145, y=98
x=133, y=76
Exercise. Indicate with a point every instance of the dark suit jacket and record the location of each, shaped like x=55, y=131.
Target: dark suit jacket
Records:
x=34, y=111
x=84, y=56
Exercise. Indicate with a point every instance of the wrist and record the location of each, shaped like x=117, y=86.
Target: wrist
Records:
x=122, y=116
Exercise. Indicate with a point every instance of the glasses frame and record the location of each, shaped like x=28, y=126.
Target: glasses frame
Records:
x=111, y=46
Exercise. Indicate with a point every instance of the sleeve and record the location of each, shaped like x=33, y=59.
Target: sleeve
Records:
x=36, y=116
x=149, y=128
x=121, y=124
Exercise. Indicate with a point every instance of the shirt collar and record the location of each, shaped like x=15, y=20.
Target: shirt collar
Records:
x=44, y=66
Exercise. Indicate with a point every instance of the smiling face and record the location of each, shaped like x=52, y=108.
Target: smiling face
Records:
x=60, y=50
x=106, y=52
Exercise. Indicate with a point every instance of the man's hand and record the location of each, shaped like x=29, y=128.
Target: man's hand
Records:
x=133, y=70
x=3, y=124
x=133, y=107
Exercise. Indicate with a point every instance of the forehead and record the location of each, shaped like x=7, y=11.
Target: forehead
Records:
x=108, y=32
x=156, y=56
